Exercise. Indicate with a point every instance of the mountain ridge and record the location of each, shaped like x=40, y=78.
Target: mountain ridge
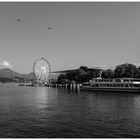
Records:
x=8, y=73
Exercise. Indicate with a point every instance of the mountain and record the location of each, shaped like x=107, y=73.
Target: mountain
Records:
x=10, y=74
x=28, y=76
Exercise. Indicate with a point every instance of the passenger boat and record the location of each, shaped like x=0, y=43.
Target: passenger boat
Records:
x=116, y=84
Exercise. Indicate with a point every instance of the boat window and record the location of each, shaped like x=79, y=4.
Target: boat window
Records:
x=136, y=85
x=96, y=85
x=126, y=80
x=131, y=85
x=117, y=80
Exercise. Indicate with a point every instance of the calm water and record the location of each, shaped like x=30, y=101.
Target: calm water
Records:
x=50, y=112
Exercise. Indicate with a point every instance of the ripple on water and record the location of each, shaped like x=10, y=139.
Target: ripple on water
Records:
x=50, y=112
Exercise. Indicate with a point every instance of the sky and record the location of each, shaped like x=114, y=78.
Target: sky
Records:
x=92, y=34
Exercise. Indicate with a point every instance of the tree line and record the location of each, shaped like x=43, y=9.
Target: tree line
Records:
x=84, y=74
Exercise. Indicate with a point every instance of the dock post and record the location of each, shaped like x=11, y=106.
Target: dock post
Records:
x=78, y=87
x=66, y=86
x=71, y=85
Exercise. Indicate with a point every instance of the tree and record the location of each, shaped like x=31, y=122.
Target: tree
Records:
x=108, y=74
x=61, y=77
x=126, y=70
x=94, y=73
x=86, y=69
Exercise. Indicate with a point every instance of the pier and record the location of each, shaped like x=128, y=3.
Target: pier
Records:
x=71, y=86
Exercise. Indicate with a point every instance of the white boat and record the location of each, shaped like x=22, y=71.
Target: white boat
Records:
x=116, y=84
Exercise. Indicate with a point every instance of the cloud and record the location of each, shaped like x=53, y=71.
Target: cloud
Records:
x=6, y=64
x=137, y=64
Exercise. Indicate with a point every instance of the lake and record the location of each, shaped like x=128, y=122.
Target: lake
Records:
x=46, y=112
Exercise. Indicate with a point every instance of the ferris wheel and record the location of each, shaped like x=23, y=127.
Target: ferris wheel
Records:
x=41, y=70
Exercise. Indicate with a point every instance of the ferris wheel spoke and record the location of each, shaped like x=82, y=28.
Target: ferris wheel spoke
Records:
x=38, y=75
x=46, y=76
x=38, y=67
x=42, y=63
x=42, y=76
x=38, y=72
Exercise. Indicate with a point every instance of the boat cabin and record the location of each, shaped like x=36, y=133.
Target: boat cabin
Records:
x=115, y=82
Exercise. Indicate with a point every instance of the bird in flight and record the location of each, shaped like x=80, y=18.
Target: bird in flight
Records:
x=18, y=20
x=51, y=28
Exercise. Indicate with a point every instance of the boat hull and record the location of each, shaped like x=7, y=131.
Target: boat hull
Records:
x=89, y=88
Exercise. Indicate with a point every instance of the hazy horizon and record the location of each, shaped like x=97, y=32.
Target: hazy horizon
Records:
x=85, y=33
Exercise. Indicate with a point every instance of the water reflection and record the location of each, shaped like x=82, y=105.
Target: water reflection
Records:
x=41, y=97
